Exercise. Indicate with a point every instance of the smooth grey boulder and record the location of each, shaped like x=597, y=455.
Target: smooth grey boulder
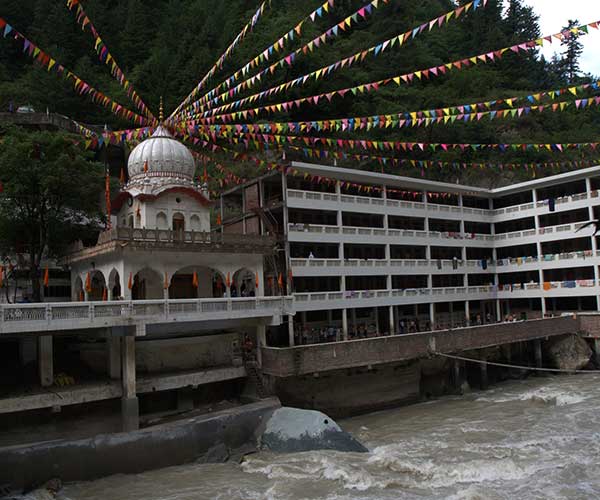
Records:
x=290, y=430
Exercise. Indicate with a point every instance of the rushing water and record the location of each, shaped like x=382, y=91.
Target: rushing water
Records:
x=533, y=439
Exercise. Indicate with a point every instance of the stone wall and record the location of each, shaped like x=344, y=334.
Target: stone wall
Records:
x=384, y=350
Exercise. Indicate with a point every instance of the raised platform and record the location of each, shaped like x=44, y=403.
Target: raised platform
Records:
x=310, y=359
x=59, y=317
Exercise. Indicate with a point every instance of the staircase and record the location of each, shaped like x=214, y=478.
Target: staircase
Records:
x=255, y=377
x=267, y=218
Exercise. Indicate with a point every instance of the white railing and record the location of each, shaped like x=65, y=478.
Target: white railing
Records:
x=431, y=207
x=18, y=318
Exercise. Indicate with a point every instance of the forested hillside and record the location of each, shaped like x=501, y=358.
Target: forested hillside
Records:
x=166, y=47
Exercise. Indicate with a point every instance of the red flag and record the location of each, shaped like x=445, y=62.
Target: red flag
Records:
x=195, y=280
x=46, y=276
x=130, y=282
x=256, y=281
x=166, y=281
x=1, y=276
x=280, y=281
x=228, y=282
x=219, y=219
x=104, y=294
x=88, y=283
x=122, y=176
x=146, y=167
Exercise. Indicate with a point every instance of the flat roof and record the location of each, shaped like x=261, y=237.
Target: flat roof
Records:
x=402, y=182
x=396, y=181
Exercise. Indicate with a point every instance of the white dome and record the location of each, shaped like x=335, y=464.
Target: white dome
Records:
x=167, y=159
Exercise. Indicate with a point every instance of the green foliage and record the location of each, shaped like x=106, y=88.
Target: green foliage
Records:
x=166, y=47
x=50, y=196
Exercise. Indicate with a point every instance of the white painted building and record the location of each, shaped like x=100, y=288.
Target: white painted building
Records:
x=372, y=252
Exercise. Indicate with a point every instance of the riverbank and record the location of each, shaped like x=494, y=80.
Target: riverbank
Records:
x=526, y=439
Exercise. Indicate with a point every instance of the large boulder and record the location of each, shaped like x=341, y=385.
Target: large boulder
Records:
x=290, y=430
x=568, y=353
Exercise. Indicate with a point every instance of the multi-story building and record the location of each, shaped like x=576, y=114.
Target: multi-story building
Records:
x=370, y=253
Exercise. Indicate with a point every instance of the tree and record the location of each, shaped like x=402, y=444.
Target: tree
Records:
x=573, y=51
x=51, y=197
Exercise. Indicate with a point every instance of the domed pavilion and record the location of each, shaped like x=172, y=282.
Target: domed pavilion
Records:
x=161, y=245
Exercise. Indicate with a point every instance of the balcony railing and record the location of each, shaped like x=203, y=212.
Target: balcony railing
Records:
x=20, y=318
x=430, y=207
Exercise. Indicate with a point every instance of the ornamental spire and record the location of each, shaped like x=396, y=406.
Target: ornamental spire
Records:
x=161, y=116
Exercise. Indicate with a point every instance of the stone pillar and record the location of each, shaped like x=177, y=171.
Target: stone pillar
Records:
x=130, y=412
x=596, y=347
x=261, y=341
x=185, y=399
x=484, y=376
x=537, y=349
x=345, y=324
x=392, y=321
x=291, y=331
x=113, y=357
x=467, y=313
x=432, y=315
x=46, y=361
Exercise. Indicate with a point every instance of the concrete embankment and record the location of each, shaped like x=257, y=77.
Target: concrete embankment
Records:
x=213, y=437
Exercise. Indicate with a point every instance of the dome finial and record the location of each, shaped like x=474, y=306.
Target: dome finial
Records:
x=161, y=116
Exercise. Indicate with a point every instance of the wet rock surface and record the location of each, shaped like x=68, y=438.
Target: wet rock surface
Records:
x=290, y=430
x=568, y=353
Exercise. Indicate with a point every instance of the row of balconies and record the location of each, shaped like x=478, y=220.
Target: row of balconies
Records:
x=332, y=201
x=335, y=267
x=366, y=235
x=382, y=298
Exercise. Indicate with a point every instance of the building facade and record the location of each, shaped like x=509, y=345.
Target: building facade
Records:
x=373, y=254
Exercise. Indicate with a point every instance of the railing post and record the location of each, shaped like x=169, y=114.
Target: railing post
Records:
x=91, y=311
x=49, y=314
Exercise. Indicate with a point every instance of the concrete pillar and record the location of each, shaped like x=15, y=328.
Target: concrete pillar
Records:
x=353, y=315
x=261, y=341
x=537, y=349
x=46, y=361
x=113, y=357
x=498, y=310
x=130, y=412
x=377, y=320
x=467, y=313
x=345, y=324
x=291, y=331
x=392, y=320
x=28, y=350
x=432, y=315
x=185, y=399
x=484, y=376
x=596, y=347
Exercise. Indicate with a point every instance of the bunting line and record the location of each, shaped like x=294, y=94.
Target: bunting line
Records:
x=219, y=64
x=222, y=94
x=81, y=87
x=107, y=58
x=222, y=113
x=358, y=57
x=266, y=54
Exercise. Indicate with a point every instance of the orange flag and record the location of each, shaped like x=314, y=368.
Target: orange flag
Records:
x=104, y=294
x=166, y=281
x=256, y=282
x=88, y=283
x=146, y=167
x=81, y=297
x=280, y=281
x=195, y=280
x=46, y=277
x=228, y=282
x=122, y=176
x=130, y=282
x=219, y=219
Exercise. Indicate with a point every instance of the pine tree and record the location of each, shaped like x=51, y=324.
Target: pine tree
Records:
x=573, y=51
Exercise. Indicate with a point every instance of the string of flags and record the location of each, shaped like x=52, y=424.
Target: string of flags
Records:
x=396, y=41
x=224, y=113
x=80, y=86
x=107, y=58
x=219, y=64
x=218, y=93
x=266, y=54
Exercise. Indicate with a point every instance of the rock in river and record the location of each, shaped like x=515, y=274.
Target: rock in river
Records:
x=568, y=353
x=290, y=430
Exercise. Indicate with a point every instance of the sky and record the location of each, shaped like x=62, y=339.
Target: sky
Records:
x=554, y=14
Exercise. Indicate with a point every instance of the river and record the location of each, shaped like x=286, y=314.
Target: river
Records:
x=532, y=439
